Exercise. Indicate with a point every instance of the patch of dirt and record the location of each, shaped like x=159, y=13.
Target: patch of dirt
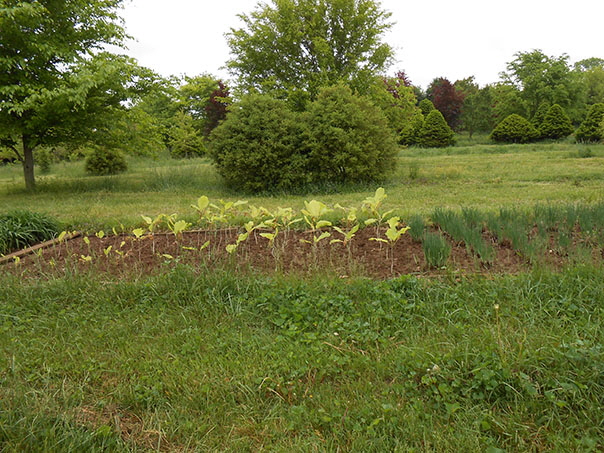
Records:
x=125, y=254
x=128, y=426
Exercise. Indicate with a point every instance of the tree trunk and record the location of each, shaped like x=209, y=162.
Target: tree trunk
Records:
x=28, y=164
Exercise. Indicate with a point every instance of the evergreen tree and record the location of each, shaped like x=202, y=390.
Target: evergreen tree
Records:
x=556, y=123
x=435, y=132
x=590, y=129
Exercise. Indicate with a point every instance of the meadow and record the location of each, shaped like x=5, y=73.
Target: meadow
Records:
x=483, y=176
x=207, y=358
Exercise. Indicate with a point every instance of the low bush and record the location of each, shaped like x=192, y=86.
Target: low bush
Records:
x=591, y=130
x=105, y=161
x=435, y=132
x=20, y=229
x=556, y=123
x=515, y=129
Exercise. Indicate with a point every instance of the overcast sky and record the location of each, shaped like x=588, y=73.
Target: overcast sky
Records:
x=432, y=38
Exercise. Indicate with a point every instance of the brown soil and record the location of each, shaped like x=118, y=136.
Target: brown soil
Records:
x=125, y=254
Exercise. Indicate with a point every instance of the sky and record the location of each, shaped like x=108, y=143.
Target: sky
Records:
x=431, y=38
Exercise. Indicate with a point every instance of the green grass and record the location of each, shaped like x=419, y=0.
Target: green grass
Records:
x=483, y=176
x=209, y=361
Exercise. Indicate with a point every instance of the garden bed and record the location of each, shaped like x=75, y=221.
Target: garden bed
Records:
x=125, y=254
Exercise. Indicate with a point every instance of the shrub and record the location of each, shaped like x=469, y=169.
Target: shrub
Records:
x=514, y=129
x=20, y=229
x=257, y=146
x=348, y=139
x=556, y=123
x=105, y=161
x=590, y=130
x=435, y=132
x=409, y=134
x=44, y=160
x=539, y=116
x=426, y=106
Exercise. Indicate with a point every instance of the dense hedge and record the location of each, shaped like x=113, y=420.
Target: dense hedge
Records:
x=515, y=129
x=347, y=138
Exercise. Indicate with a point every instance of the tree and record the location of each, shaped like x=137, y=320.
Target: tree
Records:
x=590, y=129
x=477, y=111
x=556, y=123
x=426, y=106
x=290, y=46
x=54, y=88
x=539, y=78
x=435, y=132
x=204, y=98
x=506, y=101
x=396, y=99
x=447, y=100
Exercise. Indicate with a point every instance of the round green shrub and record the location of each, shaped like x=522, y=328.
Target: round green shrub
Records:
x=514, y=129
x=556, y=123
x=257, y=147
x=435, y=132
x=347, y=138
x=590, y=130
x=426, y=106
x=105, y=161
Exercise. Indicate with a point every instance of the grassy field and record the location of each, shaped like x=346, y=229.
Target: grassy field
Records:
x=209, y=359
x=204, y=360
x=482, y=176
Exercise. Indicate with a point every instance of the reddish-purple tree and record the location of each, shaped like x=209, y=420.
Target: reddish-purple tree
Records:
x=447, y=99
x=216, y=108
x=393, y=84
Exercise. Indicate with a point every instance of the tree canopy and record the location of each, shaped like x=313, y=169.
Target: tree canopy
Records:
x=299, y=46
x=55, y=84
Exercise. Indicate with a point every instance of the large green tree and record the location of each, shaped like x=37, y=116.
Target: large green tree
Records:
x=55, y=84
x=540, y=77
x=295, y=47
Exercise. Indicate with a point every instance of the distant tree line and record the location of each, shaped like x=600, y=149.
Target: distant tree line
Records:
x=310, y=100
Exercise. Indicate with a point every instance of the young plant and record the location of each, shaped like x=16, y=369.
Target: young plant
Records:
x=436, y=250
x=393, y=234
x=312, y=216
x=372, y=206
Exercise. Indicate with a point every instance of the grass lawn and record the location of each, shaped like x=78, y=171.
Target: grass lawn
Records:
x=482, y=176
x=208, y=359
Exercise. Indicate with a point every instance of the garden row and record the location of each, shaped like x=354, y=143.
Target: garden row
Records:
x=368, y=239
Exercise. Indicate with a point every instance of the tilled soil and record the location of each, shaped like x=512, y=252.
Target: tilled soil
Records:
x=124, y=254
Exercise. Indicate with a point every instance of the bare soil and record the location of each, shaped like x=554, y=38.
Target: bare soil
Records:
x=124, y=254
